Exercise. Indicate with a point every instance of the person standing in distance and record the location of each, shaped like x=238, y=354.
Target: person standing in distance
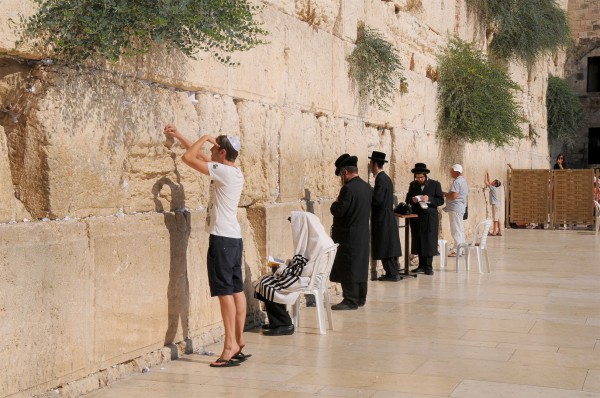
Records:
x=426, y=196
x=560, y=164
x=351, y=213
x=385, y=239
x=456, y=205
x=494, y=187
x=224, y=257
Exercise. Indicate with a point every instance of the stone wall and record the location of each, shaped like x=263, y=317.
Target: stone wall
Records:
x=83, y=148
x=80, y=296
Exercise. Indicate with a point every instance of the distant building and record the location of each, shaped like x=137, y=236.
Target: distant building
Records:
x=582, y=72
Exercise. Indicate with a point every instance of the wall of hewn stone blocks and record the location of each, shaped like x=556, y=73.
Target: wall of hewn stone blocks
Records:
x=79, y=296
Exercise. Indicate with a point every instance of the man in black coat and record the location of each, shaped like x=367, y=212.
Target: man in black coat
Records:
x=426, y=196
x=385, y=239
x=350, y=229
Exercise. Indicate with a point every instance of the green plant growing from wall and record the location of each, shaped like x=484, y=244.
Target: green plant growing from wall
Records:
x=524, y=29
x=75, y=30
x=565, y=112
x=475, y=98
x=375, y=69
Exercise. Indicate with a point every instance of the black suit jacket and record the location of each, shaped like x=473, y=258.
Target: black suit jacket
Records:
x=350, y=229
x=385, y=239
x=425, y=228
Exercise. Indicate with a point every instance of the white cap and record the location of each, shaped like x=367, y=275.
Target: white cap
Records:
x=458, y=168
x=235, y=142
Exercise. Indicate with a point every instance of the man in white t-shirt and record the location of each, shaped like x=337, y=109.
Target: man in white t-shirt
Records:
x=224, y=258
x=456, y=204
x=494, y=187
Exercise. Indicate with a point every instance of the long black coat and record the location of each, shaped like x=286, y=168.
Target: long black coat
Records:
x=350, y=229
x=385, y=239
x=424, y=229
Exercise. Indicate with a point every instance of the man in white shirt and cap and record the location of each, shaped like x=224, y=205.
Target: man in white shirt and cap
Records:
x=224, y=258
x=456, y=205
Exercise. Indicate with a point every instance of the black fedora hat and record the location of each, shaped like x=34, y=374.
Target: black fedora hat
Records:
x=378, y=156
x=343, y=161
x=420, y=168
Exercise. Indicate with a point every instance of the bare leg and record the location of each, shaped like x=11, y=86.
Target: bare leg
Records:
x=240, y=319
x=228, y=312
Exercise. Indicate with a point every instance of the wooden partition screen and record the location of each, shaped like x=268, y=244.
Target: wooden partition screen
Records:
x=573, y=197
x=553, y=197
x=528, y=196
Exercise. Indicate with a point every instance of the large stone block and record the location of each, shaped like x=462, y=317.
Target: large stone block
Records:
x=45, y=305
x=438, y=15
x=11, y=12
x=351, y=13
x=345, y=101
x=262, y=73
x=140, y=284
x=217, y=114
x=309, y=67
x=327, y=142
x=172, y=68
x=319, y=14
x=286, y=6
x=296, y=129
x=11, y=209
x=93, y=145
x=260, y=127
x=357, y=144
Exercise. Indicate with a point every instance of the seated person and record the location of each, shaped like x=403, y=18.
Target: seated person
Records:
x=284, y=285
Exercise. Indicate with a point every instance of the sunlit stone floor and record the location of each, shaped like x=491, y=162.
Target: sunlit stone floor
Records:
x=531, y=328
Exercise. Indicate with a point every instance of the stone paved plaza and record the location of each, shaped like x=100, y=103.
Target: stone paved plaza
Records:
x=530, y=328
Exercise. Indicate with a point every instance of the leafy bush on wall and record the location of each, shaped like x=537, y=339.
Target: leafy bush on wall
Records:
x=524, y=29
x=75, y=30
x=375, y=69
x=475, y=98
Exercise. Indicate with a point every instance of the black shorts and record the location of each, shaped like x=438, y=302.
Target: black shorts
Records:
x=224, y=263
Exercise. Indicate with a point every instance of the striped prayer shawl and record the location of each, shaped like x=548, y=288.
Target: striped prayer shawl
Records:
x=279, y=287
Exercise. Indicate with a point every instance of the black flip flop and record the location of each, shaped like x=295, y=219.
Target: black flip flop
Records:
x=240, y=356
x=224, y=363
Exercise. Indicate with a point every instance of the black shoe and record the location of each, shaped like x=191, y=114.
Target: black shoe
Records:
x=344, y=305
x=383, y=278
x=394, y=278
x=428, y=272
x=361, y=303
x=266, y=326
x=418, y=270
x=280, y=331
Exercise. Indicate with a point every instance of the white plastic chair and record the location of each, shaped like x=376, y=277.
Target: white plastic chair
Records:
x=479, y=244
x=597, y=215
x=443, y=245
x=318, y=286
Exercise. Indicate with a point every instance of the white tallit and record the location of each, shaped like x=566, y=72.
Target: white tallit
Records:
x=310, y=239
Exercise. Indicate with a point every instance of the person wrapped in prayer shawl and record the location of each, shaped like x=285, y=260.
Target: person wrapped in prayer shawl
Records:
x=283, y=286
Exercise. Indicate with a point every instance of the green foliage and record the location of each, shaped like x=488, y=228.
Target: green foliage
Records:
x=525, y=28
x=376, y=69
x=76, y=30
x=565, y=112
x=475, y=98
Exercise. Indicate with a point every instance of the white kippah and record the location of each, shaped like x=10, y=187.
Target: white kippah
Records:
x=235, y=142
